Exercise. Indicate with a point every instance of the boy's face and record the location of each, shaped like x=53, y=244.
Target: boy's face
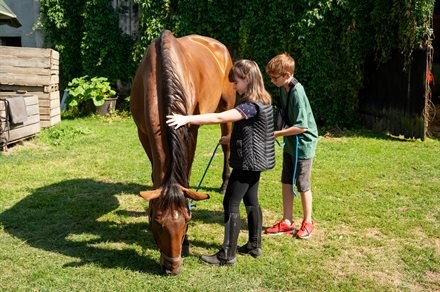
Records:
x=281, y=79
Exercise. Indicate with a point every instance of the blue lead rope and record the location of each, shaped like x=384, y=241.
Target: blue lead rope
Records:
x=295, y=194
x=206, y=170
x=190, y=204
x=295, y=164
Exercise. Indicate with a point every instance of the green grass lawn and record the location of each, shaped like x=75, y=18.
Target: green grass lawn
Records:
x=71, y=220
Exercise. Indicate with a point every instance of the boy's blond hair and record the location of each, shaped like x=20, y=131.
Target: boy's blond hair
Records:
x=247, y=69
x=281, y=64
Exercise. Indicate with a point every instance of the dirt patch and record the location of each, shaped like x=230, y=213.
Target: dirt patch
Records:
x=19, y=146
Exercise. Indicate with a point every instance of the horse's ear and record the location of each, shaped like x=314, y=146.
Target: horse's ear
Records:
x=196, y=196
x=150, y=195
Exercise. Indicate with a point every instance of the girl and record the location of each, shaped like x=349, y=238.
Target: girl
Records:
x=252, y=151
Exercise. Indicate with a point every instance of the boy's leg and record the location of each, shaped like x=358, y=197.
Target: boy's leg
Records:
x=307, y=225
x=306, y=200
x=304, y=187
x=286, y=224
x=287, y=203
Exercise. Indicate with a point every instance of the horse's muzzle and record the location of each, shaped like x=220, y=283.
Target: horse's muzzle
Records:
x=171, y=266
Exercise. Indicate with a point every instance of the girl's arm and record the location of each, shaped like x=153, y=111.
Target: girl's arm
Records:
x=177, y=121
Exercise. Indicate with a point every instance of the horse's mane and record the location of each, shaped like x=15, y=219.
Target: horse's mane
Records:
x=175, y=101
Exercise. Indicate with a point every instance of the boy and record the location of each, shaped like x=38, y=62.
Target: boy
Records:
x=301, y=137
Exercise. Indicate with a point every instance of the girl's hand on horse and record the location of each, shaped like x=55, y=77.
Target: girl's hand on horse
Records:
x=224, y=140
x=177, y=120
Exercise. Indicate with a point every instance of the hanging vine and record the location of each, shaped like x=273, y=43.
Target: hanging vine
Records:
x=329, y=39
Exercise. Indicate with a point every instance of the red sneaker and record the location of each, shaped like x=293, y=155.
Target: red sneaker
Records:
x=281, y=227
x=306, y=230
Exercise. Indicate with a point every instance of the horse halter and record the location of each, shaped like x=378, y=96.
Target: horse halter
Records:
x=164, y=259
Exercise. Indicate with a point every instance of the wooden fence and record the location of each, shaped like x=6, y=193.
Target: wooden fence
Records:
x=394, y=98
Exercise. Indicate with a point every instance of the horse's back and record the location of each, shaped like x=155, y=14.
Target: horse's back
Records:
x=208, y=49
x=209, y=63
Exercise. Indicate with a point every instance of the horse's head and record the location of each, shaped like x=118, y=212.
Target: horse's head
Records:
x=169, y=216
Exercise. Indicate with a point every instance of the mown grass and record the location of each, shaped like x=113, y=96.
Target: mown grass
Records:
x=71, y=220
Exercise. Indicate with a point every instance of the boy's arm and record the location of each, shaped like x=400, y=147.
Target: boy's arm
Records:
x=294, y=130
x=297, y=115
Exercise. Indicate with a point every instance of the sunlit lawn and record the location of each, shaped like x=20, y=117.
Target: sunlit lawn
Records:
x=71, y=220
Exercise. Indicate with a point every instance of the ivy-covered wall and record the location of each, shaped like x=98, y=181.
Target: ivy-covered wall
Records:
x=329, y=39
x=88, y=37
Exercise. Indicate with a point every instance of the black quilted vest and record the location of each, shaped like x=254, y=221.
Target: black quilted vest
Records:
x=252, y=141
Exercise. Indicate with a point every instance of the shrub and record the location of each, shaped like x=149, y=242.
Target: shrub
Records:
x=85, y=94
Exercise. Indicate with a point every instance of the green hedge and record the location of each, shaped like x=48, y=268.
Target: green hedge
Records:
x=329, y=39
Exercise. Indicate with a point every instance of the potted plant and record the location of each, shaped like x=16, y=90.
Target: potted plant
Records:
x=87, y=95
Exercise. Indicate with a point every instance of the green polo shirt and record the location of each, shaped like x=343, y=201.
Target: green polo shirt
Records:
x=300, y=115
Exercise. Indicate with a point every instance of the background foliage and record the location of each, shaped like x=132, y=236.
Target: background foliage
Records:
x=330, y=39
x=88, y=37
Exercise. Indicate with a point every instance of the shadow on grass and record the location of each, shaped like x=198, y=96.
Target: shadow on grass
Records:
x=65, y=218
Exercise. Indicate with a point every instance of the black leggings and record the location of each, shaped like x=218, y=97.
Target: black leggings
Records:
x=242, y=184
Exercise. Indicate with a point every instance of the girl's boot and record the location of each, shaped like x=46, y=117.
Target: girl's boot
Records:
x=226, y=255
x=255, y=222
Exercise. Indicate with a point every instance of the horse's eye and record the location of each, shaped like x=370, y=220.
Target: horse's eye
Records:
x=158, y=220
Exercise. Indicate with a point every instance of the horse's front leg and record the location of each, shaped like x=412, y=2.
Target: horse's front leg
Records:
x=185, y=245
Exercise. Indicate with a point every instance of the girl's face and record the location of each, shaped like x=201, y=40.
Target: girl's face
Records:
x=241, y=85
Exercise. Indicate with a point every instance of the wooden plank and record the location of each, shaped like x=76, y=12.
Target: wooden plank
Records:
x=44, y=111
x=31, y=102
x=27, y=70
x=30, y=127
x=35, y=119
x=25, y=52
x=32, y=118
x=54, y=95
x=47, y=123
x=29, y=67
x=29, y=53
x=49, y=103
x=22, y=132
x=55, y=55
x=33, y=109
x=48, y=99
x=30, y=63
x=39, y=62
x=31, y=99
x=28, y=80
x=25, y=62
x=30, y=89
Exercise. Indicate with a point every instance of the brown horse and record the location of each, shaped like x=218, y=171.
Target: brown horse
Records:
x=187, y=75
